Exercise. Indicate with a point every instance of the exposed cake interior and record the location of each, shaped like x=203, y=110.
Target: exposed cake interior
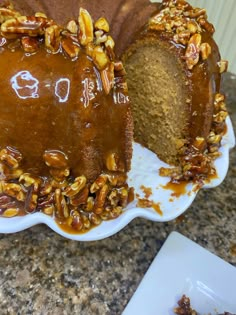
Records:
x=156, y=83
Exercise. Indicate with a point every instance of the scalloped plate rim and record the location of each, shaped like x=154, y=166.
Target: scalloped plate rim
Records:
x=17, y=224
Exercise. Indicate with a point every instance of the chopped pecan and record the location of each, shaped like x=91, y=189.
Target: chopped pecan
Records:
x=192, y=26
x=31, y=199
x=25, y=25
x=76, y=220
x=59, y=174
x=182, y=37
x=102, y=24
x=113, y=198
x=101, y=37
x=213, y=138
x=13, y=190
x=223, y=66
x=90, y=204
x=72, y=27
x=100, y=199
x=52, y=38
x=11, y=212
x=192, y=51
x=85, y=27
x=7, y=14
x=28, y=179
x=114, y=163
x=110, y=42
x=29, y=44
x=100, y=58
x=49, y=209
x=7, y=159
x=61, y=207
x=80, y=198
x=107, y=76
x=98, y=183
x=95, y=219
x=116, y=212
x=117, y=179
x=76, y=187
x=205, y=50
x=195, y=13
x=86, y=222
x=199, y=143
x=144, y=203
x=40, y=14
x=70, y=47
x=220, y=117
x=206, y=25
x=123, y=194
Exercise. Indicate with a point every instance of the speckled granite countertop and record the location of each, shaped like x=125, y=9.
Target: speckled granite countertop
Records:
x=43, y=273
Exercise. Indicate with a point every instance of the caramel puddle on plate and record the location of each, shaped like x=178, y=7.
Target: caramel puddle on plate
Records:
x=177, y=188
x=146, y=202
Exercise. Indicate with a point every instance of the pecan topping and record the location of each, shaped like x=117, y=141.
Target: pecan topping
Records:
x=192, y=51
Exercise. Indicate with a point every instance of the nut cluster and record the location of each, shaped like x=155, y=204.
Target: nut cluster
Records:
x=31, y=31
x=187, y=24
x=72, y=201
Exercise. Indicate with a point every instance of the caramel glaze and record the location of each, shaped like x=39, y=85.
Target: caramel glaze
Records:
x=50, y=102
x=124, y=16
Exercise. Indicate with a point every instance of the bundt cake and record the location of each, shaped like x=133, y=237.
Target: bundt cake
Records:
x=66, y=124
x=66, y=121
x=173, y=73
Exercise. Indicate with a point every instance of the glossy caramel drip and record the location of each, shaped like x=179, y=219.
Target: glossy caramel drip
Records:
x=50, y=102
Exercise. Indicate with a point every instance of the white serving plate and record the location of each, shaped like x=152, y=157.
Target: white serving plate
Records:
x=144, y=171
x=184, y=267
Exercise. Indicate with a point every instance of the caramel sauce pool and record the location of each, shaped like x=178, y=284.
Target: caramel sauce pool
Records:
x=177, y=188
x=65, y=227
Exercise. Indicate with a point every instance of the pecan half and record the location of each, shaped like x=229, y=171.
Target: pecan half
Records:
x=25, y=25
x=76, y=187
x=55, y=159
